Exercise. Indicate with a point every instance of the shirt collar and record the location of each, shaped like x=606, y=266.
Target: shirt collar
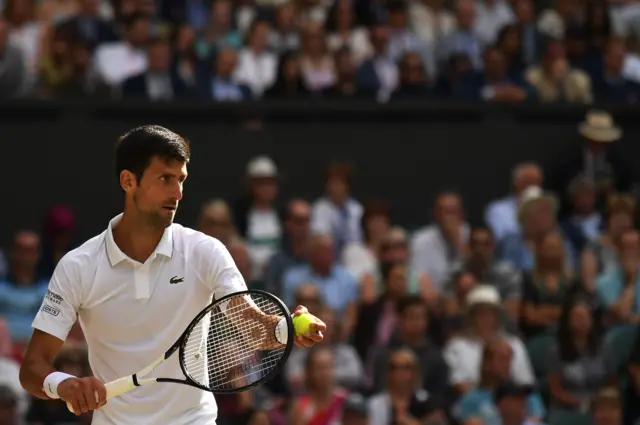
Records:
x=115, y=254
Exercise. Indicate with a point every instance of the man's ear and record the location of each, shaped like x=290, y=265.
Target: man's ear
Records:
x=128, y=180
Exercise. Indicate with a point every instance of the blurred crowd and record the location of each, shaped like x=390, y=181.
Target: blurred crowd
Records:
x=528, y=317
x=577, y=51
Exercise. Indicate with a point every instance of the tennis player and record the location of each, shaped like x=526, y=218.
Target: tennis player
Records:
x=135, y=288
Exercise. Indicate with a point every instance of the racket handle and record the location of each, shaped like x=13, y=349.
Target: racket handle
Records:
x=114, y=389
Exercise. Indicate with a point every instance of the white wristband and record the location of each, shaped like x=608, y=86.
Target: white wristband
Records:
x=51, y=382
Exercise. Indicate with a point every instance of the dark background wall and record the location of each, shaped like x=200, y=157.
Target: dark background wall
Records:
x=404, y=153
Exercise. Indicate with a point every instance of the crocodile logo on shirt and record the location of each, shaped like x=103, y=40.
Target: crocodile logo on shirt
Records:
x=174, y=280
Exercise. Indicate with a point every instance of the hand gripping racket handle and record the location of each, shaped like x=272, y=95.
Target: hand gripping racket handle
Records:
x=114, y=388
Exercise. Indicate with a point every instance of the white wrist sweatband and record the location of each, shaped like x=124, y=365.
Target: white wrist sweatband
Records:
x=51, y=382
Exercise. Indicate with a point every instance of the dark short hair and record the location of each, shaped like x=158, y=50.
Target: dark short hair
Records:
x=139, y=146
x=131, y=20
x=409, y=301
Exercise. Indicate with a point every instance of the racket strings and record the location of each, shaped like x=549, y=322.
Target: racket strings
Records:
x=225, y=349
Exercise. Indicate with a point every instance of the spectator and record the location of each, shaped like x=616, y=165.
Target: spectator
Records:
x=579, y=363
x=617, y=287
x=187, y=61
x=318, y=69
x=323, y=398
x=412, y=330
x=502, y=215
x=403, y=401
x=483, y=403
x=91, y=26
x=377, y=317
x=110, y=58
x=343, y=32
x=284, y=35
x=463, y=353
x=158, y=82
x=289, y=83
x=537, y=215
x=601, y=253
x=218, y=34
x=531, y=38
x=337, y=213
x=345, y=85
x=435, y=248
x=22, y=291
x=58, y=237
x=584, y=222
x=245, y=14
x=450, y=82
x=553, y=22
x=598, y=23
x=509, y=41
x=215, y=220
x=431, y=20
x=258, y=218
x=83, y=81
x=413, y=78
x=56, y=66
x=402, y=41
x=491, y=16
x=545, y=287
x=379, y=74
x=494, y=84
x=624, y=18
x=361, y=258
x=555, y=81
x=14, y=78
x=512, y=402
x=240, y=254
x=458, y=288
x=338, y=287
x=347, y=369
x=257, y=66
x=223, y=87
x=606, y=407
x=355, y=411
x=10, y=369
x=464, y=39
x=9, y=407
x=610, y=84
x=292, y=252
x=483, y=264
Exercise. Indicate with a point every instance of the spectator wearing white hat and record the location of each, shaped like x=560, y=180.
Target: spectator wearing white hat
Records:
x=463, y=353
x=537, y=213
x=257, y=218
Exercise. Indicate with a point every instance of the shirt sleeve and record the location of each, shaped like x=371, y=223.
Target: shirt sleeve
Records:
x=521, y=367
x=221, y=274
x=59, y=310
x=460, y=368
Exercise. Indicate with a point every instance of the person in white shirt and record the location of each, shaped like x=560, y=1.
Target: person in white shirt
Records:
x=257, y=67
x=134, y=289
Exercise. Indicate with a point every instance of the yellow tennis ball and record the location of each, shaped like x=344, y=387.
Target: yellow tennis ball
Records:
x=302, y=322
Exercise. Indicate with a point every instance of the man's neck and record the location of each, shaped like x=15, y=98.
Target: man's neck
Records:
x=261, y=205
x=136, y=240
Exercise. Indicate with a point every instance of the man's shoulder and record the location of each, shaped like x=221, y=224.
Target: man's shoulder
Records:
x=85, y=254
x=190, y=239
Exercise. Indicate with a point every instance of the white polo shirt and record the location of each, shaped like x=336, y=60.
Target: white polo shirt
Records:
x=131, y=313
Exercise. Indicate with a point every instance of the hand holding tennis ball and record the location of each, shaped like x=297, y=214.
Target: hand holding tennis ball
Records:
x=308, y=328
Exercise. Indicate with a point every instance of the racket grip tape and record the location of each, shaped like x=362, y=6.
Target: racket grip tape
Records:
x=115, y=388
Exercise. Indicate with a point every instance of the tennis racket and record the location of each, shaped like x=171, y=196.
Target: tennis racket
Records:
x=236, y=343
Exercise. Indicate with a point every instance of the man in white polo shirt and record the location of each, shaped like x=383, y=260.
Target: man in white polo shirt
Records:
x=134, y=289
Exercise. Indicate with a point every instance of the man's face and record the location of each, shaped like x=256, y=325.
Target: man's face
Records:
x=226, y=64
x=413, y=321
x=297, y=224
x=25, y=251
x=215, y=222
x=513, y=409
x=482, y=245
x=466, y=14
x=139, y=32
x=157, y=194
x=494, y=63
x=321, y=254
x=159, y=57
x=264, y=189
x=448, y=210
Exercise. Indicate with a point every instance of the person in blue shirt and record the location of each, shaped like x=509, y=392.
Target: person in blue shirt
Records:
x=22, y=291
x=480, y=403
x=338, y=287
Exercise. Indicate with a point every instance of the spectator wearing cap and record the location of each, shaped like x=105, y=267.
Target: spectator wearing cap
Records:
x=601, y=253
x=337, y=285
x=292, y=251
x=158, y=82
x=546, y=287
x=512, y=402
x=618, y=288
x=584, y=222
x=257, y=217
x=119, y=60
x=435, y=248
x=9, y=407
x=501, y=215
x=610, y=82
x=491, y=16
x=411, y=332
x=483, y=402
x=403, y=400
x=379, y=74
x=355, y=411
x=464, y=39
x=257, y=66
x=482, y=264
x=431, y=20
x=579, y=363
x=599, y=160
x=537, y=212
x=463, y=353
x=22, y=291
x=607, y=407
x=555, y=81
x=215, y=220
x=337, y=213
